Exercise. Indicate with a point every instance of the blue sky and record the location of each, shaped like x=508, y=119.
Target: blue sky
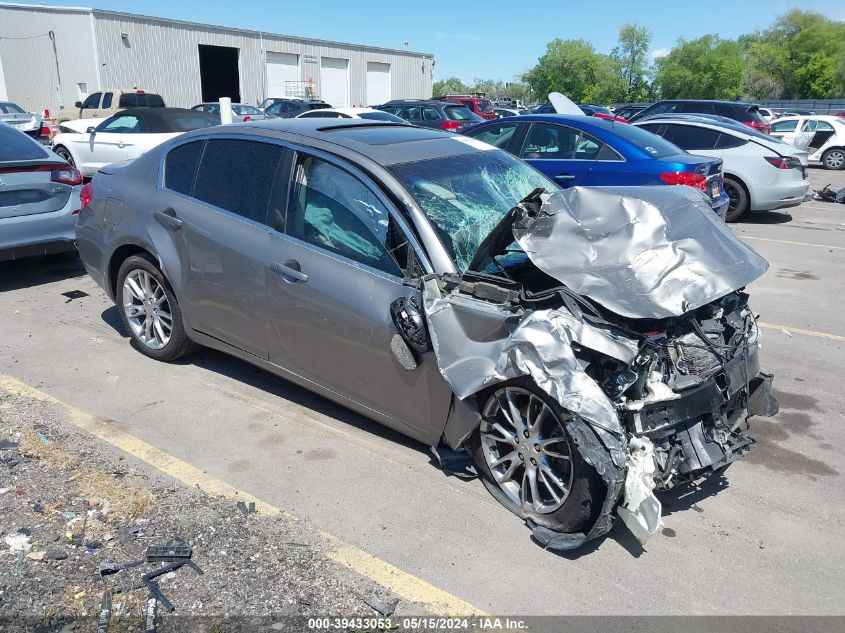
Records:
x=490, y=39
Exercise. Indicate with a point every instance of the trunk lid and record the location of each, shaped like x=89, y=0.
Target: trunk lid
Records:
x=30, y=190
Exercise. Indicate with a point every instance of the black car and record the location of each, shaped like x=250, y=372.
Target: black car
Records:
x=290, y=108
x=746, y=113
x=443, y=115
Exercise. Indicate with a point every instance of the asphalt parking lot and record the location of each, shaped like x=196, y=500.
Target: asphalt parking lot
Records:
x=765, y=539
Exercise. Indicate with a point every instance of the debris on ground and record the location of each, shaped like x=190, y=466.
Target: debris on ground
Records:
x=89, y=533
x=826, y=194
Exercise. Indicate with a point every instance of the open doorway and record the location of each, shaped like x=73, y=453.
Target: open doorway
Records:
x=219, y=73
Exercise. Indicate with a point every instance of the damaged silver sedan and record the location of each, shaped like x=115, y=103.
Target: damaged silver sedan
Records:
x=583, y=347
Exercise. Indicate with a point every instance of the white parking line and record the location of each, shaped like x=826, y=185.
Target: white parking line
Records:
x=769, y=239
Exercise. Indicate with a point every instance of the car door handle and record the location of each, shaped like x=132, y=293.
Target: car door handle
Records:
x=121, y=144
x=290, y=268
x=564, y=177
x=168, y=219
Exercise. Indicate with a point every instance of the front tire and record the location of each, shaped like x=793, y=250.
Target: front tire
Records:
x=529, y=461
x=738, y=197
x=149, y=310
x=834, y=159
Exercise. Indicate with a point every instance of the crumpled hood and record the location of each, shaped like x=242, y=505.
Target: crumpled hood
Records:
x=642, y=252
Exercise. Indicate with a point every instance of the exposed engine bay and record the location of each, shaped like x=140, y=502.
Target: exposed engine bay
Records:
x=664, y=380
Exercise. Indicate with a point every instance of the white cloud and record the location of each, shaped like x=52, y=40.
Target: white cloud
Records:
x=660, y=52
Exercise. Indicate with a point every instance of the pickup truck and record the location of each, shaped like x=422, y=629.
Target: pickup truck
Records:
x=108, y=102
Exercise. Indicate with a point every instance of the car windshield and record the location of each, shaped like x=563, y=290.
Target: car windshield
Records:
x=461, y=113
x=11, y=108
x=485, y=106
x=655, y=146
x=466, y=196
x=186, y=122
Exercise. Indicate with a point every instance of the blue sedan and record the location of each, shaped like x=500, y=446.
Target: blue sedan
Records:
x=581, y=150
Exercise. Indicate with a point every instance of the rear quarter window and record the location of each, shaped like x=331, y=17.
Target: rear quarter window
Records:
x=653, y=145
x=729, y=141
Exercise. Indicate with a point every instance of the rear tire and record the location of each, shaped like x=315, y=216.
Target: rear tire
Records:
x=568, y=493
x=149, y=310
x=62, y=152
x=834, y=159
x=738, y=196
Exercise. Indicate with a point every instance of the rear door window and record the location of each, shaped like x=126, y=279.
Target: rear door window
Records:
x=128, y=100
x=237, y=176
x=107, y=99
x=690, y=137
x=430, y=114
x=698, y=108
x=180, y=167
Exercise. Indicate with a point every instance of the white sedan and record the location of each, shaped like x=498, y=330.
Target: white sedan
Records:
x=822, y=136
x=761, y=173
x=351, y=113
x=126, y=135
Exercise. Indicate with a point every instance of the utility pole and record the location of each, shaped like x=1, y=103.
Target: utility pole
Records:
x=52, y=36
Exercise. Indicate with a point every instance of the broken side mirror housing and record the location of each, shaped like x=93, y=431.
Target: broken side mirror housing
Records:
x=409, y=321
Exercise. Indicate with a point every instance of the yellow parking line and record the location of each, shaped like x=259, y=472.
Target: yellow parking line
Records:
x=392, y=578
x=798, y=330
x=768, y=239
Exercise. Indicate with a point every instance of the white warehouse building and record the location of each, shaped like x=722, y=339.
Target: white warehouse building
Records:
x=51, y=57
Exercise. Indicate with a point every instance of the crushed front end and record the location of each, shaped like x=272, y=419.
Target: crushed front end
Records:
x=692, y=388
x=626, y=306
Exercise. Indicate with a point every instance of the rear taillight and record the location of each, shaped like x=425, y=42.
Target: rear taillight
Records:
x=44, y=132
x=760, y=126
x=64, y=174
x=784, y=162
x=699, y=181
x=450, y=126
x=85, y=197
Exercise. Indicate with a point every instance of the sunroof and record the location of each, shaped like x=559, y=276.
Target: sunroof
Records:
x=384, y=134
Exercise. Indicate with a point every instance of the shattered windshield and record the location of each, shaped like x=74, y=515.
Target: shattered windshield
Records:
x=466, y=196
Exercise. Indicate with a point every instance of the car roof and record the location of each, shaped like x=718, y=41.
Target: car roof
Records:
x=384, y=142
x=349, y=110
x=747, y=104
x=581, y=121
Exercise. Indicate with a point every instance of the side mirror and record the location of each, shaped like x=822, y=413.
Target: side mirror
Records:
x=408, y=319
x=78, y=104
x=91, y=130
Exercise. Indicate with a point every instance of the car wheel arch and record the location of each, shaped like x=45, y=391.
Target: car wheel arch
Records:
x=120, y=255
x=742, y=183
x=824, y=151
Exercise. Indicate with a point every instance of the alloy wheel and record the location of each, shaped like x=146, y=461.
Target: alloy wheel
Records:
x=834, y=159
x=527, y=450
x=147, y=309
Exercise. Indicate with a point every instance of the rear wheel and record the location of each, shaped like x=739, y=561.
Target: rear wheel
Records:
x=738, y=197
x=65, y=155
x=834, y=159
x=529, y=461
x=149, y=310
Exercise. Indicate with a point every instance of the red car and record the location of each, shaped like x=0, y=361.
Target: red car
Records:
x=482, y=107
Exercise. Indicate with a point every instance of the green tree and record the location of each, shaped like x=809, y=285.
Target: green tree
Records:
x=801, y=56
x=630, y=57
x=571, y=67
x=705, y=68
x=451, y=85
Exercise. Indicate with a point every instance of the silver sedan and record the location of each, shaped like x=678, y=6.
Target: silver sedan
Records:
x=39, y=199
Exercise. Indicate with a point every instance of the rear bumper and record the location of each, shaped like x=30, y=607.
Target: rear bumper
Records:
x=779, y=196
x=720, y=205
x=40, y=234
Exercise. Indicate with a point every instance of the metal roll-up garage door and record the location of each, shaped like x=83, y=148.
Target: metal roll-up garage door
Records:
x=378, y=83
x=334, y=81
x=281, y=68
